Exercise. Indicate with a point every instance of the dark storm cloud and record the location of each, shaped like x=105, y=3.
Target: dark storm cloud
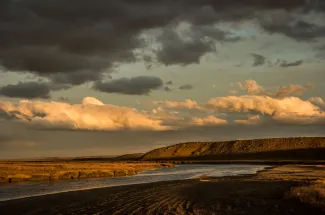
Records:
x=77, y=41
x=291, y=64
x=293, y=26
x=186, y=87
x=167, y=89
x=31, y=90
x=175, y=50
x=259, y=60
x=199, y=41
x=169, y=82
x=141, y=85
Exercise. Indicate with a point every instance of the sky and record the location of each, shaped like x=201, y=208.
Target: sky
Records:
x=86, y=78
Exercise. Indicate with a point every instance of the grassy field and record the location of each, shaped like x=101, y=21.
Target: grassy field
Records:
x=36, y=171
x=312, y=179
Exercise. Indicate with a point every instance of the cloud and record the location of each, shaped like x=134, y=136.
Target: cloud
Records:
x=233, y=91
x=300, y=120
x=292, y=24
x=91, y=114
x=259, y=60
x=251, y=87
x=63, y=99
x=167, y=89
x=289, y=107
x=288, y=110
x=317, y=101
x=187, y=104
x=207, y=121
x=292, y=64
x=169, y=83
x=169, y=118
x=292, y=89
x=31, y=90
x=141, y=85
x=280, y=106
x=74, y=44
x=176, y=50
x=252, y=120
x=186, y=87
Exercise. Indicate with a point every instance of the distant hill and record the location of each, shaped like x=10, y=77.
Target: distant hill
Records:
x=93, y=158
x=126, y=157
x=129, y=157
x=298, y=148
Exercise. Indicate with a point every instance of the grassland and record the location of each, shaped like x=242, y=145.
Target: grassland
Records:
x=36, y=171
x=311, y=190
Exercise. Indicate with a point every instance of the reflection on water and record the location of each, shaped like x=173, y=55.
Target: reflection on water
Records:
x=180, y=172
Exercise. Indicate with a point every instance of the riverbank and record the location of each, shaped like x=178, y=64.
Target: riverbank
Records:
x=294, y=189
x=15, y=172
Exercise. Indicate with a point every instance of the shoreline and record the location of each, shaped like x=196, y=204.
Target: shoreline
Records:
x=251, y=162
x=58, y=192
x=268, y=191
x=29, y=172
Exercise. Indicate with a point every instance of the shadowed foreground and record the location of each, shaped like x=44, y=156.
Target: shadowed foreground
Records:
x=254, y=195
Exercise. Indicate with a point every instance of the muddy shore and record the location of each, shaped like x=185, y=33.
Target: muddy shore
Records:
x=267, y=192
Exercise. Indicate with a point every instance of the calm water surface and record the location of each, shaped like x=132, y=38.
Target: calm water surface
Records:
x=180, y=172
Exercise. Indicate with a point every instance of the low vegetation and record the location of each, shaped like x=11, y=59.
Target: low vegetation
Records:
x=313, y=194
x=310, y=181
x=36, y=171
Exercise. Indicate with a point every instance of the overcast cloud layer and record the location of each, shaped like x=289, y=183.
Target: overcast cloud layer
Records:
x=75, y=42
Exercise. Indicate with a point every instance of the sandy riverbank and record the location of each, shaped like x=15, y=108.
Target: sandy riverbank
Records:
x=295, y=189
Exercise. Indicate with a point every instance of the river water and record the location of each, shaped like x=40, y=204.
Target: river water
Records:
x=179, y=172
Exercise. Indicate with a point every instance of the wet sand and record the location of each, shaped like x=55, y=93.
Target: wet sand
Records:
x=261, y=194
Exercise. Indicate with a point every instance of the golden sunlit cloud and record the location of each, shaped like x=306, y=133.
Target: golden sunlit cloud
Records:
x=91, y=114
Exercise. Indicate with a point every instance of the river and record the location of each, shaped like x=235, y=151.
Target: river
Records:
x=179, y=172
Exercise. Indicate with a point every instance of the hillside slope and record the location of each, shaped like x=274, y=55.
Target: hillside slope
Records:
x=300, y=148
x=128, y=157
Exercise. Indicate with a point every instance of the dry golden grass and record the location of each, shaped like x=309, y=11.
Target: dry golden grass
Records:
x=34, y=171
x=313, y=194
x=294, y=173
x=312, y=178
